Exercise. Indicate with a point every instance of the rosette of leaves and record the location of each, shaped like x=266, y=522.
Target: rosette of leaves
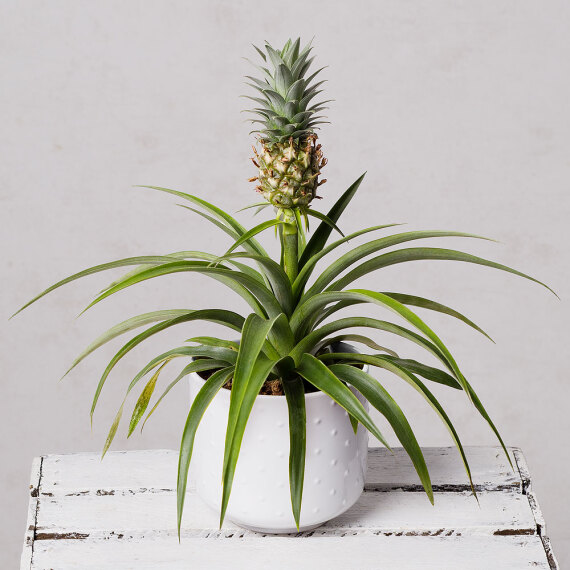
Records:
x=290, y=335
x=293, y=333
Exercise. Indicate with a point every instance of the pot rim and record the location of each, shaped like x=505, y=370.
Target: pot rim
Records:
x=365, y=368
x=227, y=393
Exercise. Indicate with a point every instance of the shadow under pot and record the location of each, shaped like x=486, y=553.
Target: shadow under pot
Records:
x=260, y=500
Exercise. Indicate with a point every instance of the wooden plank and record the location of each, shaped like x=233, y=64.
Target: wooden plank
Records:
x=85, y=473
x=534, y=506
x=398, y=512
x=280, y=553
x=550, y=553
x=522, y=467
x=490, y=469
x=35, y=480
x=528, y=491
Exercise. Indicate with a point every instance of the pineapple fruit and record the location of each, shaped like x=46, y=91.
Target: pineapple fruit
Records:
x=290, y=159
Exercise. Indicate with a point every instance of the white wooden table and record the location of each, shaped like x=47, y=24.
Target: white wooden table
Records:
x=121, y=513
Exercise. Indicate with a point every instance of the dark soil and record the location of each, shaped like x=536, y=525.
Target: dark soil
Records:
x=270, y=387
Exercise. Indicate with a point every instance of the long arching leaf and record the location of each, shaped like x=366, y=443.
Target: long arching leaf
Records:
x=378, y=397
x=278, y=279
x=312, y=340
x=319, y=238
x=253, y=232
x=354, y=255
x=206, y=394
x=219, y=316
x=255, y=331
x=112, y=432
x=214, y=341
x=126, y=326
x=223, y=354
x=418, y=385
x=324, y=218
x=353, y=338
x=250, y=386
x=144, y=398
x=309, y=266
x=141, y=260
x=281, y=338
x=420, y=254
x=428, y=372
x=479, y=406
x=202, y=256
x=260, y=293
x=178, y=352
x=214, y=211
x=405, y=300
x=295, y=394
x=321, y=300
x=315, y=372
x=198, y=255
x=256, y=205
x=233, y=284
x=197, y=366
x=423, y=303
x=232, y=233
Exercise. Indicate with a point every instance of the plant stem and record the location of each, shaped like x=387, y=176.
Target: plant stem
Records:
x=290, y=245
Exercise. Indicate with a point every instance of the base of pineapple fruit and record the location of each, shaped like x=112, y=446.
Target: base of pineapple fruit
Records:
x=260, y=500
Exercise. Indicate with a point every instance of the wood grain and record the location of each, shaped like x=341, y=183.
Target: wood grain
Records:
x=121, y=513
x=278, y=553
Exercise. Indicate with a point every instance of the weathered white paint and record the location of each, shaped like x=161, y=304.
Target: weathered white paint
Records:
x=489, y=466
x=528, y=491
x=120, y=513
x=535, y=507
x=35, y=477
x=85, y=472
x=382, y=513
x=279, y=553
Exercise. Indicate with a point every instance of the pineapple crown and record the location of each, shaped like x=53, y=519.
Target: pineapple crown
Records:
x=284, y=110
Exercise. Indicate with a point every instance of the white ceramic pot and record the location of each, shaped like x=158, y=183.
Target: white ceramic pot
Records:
x=260, y=500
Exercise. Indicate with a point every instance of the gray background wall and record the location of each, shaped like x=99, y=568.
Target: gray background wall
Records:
x=457, y=110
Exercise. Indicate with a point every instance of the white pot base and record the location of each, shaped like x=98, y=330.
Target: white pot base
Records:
x=263, y=530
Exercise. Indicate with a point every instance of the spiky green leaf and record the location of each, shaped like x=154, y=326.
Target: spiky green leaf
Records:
x=295, y=394
x=315, y=372
x=201, y=402
x=378, y=397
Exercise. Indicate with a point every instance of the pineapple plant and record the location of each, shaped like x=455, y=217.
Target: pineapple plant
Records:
x=293, y=335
